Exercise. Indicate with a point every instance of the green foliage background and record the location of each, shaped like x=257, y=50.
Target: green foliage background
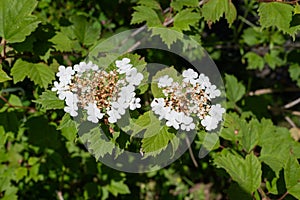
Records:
x=256, y=48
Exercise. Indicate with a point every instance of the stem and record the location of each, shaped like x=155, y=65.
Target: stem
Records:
x=191, y=152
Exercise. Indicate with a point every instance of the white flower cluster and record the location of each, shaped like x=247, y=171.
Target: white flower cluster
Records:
x=184, y=102
x=99, y=93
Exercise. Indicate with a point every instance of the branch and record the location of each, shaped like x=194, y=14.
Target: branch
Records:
x=283, y=196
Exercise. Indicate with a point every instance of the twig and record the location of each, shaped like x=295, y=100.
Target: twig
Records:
x=13, y=106
x=288, y=119
x=291, y=104
x=263, y=194
x=191, y=152
x=3, y=53
x=296, y=113
x=270, y=91
x=283, y=196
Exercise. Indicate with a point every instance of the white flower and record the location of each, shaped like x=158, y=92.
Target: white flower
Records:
x=94, y=113
x=123, y=65
x=203, y=81
x=157, y=105
x=171, y=117
x=120, y=106
x=83, y=67
x=65, y=74
x=212, y=91
x=134, y=103
x=165, y=81
x=187, y=127
x=133, y=77
x=209, y=123
x=216, y=111
x=127, y=93
x=60, y=89
x=189, y=76
x=113, y=116
x=71, y=101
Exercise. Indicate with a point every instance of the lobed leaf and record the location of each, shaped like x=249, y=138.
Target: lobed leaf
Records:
x=246, y=172
x=16, y=20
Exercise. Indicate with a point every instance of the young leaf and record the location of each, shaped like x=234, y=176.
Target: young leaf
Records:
x=294, y=71
x=234, y=89
x=246, y=172
x=118, y=188
x=62, y=42
x=275, y=14
x=186, y=18
x=292, y=176
x=49, y=100
x=213, y=10
x=231, y=13
x=254, y=61
x=16, y=19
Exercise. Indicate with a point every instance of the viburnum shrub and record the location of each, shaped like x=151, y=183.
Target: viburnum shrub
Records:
x=64, y=105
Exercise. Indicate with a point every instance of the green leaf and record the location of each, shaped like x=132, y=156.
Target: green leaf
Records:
x=68, y=127
x=274, y=152
x=273, y=59
x=250, y=135
x=39, y=73
x=20, y=173
x=253, y=36
x=210, y=141
x=16, y=21
x=234, y=89
x=294, y=71
x=150, y=3
x=292, y=176
x=213, y=10
x=62, y=42
x=167, y=36
x=148, y=123
x=49, y=100
x=179, y=4
x=186, y=18
x=118, y=188
x=246, y=172
x=15, y=100
x=95, y=139
x=145, y=14
x=254, y=61
x=231, y=13
x=275, y=14
x=20, y=70
x=153, y=145
x=3, y=76
x=3, y=137
x=84, y=31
